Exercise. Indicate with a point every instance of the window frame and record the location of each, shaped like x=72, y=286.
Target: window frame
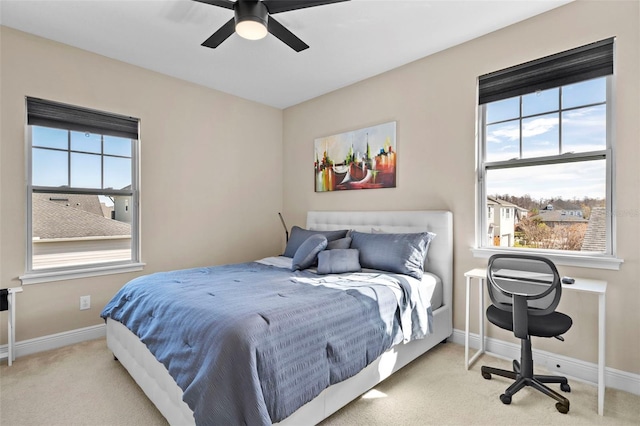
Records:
x=42, y=275
x=606, y=260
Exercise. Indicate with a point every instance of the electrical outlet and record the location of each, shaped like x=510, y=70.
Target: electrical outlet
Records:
x=85, y=302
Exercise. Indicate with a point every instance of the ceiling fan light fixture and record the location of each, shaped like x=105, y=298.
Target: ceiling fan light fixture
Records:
x=251, y=19
x=251, y=30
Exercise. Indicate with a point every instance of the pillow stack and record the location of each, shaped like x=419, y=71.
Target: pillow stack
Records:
x=342, y=251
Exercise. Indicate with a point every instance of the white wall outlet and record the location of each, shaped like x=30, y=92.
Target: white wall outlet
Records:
x=85, y=302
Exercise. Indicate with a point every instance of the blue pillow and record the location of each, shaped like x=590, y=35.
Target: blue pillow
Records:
x=342, y=243
x=307, y=254
x=338, y=261
x=299, y=235
x=400, y=253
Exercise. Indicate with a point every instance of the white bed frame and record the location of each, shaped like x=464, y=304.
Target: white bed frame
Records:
x=162, y=390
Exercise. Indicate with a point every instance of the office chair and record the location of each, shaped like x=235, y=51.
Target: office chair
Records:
x=525, y=291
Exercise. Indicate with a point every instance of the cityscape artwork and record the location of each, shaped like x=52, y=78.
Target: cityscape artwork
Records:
x=359, y=159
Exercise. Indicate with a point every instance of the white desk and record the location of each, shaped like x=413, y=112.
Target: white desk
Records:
x=581, y=284
x=11, y=324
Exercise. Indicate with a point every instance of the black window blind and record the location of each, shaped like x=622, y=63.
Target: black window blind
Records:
x=41, y=112
x=571, y=66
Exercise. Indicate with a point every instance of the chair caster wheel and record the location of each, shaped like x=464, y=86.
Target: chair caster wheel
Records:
x=506, y=399
x=564, y=387
x=486, y=375
x=564, y=409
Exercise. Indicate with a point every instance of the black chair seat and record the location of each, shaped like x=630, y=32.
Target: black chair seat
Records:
x=554, y=324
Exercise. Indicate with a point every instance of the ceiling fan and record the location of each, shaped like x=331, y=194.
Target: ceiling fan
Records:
x=253, y=20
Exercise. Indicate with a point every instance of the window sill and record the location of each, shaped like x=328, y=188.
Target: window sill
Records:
x=587, y=261
x=94, y=271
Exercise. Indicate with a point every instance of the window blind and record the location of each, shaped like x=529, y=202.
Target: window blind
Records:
x=571, y=66
x=41, y=112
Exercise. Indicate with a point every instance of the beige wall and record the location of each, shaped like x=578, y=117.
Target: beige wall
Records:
x=434, y=102
x=205, y=198
x=211, y=184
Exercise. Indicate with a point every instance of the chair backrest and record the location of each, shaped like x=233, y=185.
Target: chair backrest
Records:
x=533, y=278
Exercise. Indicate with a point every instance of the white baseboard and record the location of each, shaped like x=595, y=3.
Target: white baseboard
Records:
x=54, y=341
x=575, y=368
x=570, y=367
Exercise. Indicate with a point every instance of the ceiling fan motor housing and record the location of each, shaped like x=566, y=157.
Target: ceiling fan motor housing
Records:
x=251, y=11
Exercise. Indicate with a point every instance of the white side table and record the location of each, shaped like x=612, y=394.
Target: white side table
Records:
x=11, y=324
x=479, y=274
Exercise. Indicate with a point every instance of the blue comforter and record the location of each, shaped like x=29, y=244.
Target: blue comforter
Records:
x=251, y=343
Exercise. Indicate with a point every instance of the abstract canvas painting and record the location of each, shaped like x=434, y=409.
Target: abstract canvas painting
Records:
x=359, y=159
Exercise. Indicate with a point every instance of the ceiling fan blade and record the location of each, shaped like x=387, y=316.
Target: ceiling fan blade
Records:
x=227, y=4
x=286, y=36
x=221, y=35
x=277, y=6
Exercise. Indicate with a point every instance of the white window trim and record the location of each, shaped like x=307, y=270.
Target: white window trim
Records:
x=607, y=260
x=595, y=261
x=91, y=270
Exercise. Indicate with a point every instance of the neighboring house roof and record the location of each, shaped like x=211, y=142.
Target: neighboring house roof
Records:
x=55, y=219
x=498, y=201
x=561, y=216
x=595, y=239
x=565, y=205
x=88, y=203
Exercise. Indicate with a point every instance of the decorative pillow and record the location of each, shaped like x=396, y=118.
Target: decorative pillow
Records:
x=307, y=254
x=342, y=243
x=400, y=253
x=338, y=261
x=299, y=235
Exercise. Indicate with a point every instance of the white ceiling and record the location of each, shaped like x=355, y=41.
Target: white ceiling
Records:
x=348, y=41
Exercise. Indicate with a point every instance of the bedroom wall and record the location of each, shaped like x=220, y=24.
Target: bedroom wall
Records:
x=211, y=186
x=434, y=101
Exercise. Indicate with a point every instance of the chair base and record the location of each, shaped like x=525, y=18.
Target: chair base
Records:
x=536, y=381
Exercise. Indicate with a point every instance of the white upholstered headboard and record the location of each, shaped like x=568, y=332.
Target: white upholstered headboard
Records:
x=440, y=255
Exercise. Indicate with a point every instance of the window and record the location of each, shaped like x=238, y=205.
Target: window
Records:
x=82, y=189
x=546, y=152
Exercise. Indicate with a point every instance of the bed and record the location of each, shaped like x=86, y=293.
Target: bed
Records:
x=163, y=390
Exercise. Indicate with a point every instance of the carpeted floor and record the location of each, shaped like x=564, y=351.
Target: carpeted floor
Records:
x=83, y=385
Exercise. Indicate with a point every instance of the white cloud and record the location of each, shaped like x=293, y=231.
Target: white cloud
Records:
x=568, y=181
x=538, y=126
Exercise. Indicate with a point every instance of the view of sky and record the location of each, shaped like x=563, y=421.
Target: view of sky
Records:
x=567, y=181
x=83, y=164
x=554, y=122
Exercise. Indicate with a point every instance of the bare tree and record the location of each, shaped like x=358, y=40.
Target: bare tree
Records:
x=537, y=234
x=569, y=237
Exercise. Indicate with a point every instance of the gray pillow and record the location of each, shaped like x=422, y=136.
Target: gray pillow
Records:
x=338, y=261
x=299, y=235
x=307, y=253
x=342, y=243
x=400, y=253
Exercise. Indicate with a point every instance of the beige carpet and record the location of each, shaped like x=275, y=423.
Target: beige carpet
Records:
x=83, y=385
